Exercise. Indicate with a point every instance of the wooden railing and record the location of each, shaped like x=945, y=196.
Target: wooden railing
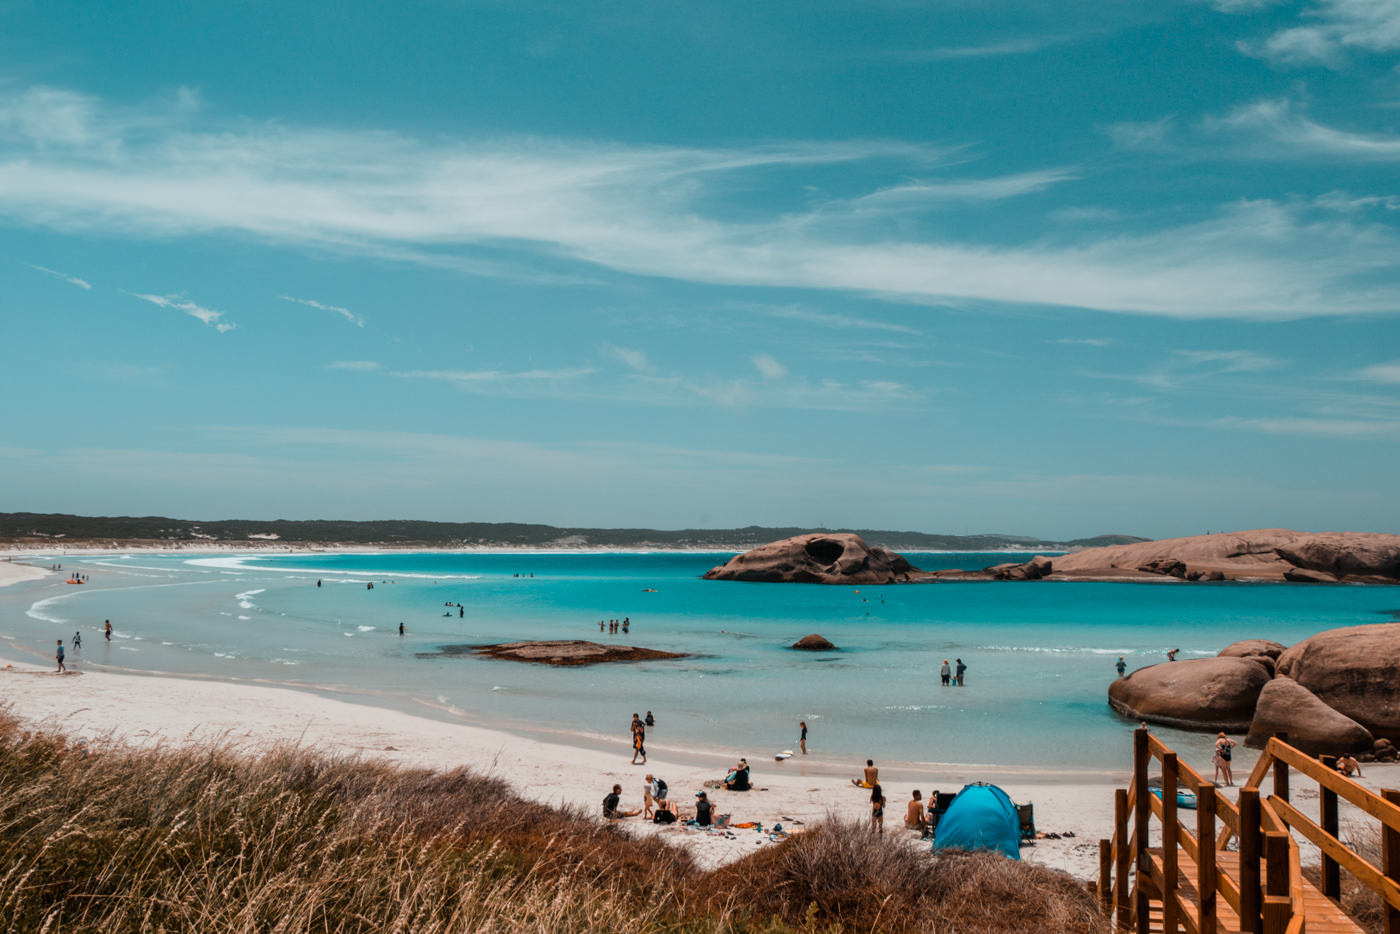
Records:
x=1263, y=891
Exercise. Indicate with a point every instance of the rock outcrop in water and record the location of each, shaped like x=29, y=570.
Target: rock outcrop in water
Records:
x=556, y=652
x=813, y=643
x=1197, y=694
x=826, y=558
x=1338, y=691
x=1262, y=554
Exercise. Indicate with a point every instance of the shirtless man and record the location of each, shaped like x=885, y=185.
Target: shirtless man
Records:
x=872, y=776
x=914, y=815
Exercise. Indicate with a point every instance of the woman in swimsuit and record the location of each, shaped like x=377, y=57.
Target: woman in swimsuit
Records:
x=1222, y=757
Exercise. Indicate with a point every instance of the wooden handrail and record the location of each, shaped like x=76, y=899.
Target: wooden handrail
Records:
x=1356, y=794
x=1352, y=862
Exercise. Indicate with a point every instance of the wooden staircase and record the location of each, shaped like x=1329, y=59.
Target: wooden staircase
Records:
x=1191, y=879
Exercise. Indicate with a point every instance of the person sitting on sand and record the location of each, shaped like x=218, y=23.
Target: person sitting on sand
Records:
x=738, y=778
x=914, y=814
x=1347, y=765
x=611, y=808
x=704, y=811
x=872, y=776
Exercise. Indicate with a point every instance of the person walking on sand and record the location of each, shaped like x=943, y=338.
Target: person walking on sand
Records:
x=802, y=741
x=107, y=629
x=945, y=673
x=1121, y=665
x=639, y=747
x=961, y=671
x=59, y=654
x=1222, y=758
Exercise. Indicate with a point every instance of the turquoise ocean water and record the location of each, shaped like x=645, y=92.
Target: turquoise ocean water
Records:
x=1039, y=655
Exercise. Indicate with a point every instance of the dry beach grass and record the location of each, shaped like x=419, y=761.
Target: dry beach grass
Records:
x=215, y=840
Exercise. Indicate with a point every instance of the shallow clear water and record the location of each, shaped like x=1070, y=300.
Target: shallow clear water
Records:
x=1039, y=655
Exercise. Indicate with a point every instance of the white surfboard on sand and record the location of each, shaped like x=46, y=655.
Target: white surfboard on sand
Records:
x=785, y=754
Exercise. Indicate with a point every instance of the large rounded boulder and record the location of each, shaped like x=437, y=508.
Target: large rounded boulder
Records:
x=1198, y=694
x=1354, y=670
x=825, y=558
x=1250, y=648
x=1285, y=706
x=813, y=643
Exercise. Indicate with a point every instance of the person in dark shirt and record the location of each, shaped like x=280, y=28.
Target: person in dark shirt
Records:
x=738, y=780
x=611, y=806
x=704, y=811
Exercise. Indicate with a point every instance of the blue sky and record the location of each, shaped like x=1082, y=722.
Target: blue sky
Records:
x=1051, y=269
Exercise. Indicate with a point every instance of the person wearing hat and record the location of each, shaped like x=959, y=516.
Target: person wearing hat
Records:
x=704, y=816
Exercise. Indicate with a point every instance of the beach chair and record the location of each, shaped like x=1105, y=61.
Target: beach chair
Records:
x=1026, y=814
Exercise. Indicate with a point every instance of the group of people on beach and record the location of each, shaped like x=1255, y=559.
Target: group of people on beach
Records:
x=917, y=815
x=614, y=625
x=60, y=656
x=952, y=675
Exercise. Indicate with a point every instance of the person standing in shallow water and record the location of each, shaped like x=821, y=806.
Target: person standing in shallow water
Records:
x=946, y=673
x=107, y=629
x=961, y=671
x=802, y=741
x=1121, y=665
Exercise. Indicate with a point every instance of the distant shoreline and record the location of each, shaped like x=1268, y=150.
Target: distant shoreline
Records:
x=88, y=549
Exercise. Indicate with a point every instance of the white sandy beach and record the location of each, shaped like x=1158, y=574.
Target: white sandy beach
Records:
x=104, y=707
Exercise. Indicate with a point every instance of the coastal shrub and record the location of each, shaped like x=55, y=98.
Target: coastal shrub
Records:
x=1362, y=903
x=213, y=840
x=839, y=873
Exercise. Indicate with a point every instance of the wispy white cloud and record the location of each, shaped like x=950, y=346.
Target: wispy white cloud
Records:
x=345, y=313
x=180, y=303
x=1382, y=373
x=1144, y=134
x=1021, y=46
x=1276, y=129
x=651, y=211
x=484, y=378
x=1338, y=428
x=635, y=359
x=1228, y=361
x=769, y=366
x=826, y=319
x=71, y=280
x=1330, y=30
x=356, y=366
x=1242, y=6
x=924, y=195
x=1084, y=341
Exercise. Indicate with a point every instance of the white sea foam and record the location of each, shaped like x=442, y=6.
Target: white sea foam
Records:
x=239, y=562
x=365, y=628
x=251, y=593
x=245, y=617
x=39, y=608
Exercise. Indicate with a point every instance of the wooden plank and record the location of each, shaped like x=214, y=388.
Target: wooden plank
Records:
x=1105, y=886
x=1250, y=905
x=1141, y=816
x=1123, y=857
x=1328, y=822
x=1368, y=875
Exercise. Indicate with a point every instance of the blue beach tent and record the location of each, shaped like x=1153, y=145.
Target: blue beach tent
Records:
x=981, y=817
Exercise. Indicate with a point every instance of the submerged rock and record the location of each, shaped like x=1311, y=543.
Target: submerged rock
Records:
x=556, y=652
x=826, y=558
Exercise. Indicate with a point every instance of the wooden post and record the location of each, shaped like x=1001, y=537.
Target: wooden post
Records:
x=1142, y=814
x=1331, y=871
x=1390, y=862
x=1170, y=837
x=1105, y=891
x=1276, y=914
x=1122, y=892
x=1206, y=880
x=1281, y=771
x=1276, y=863
x=1251, y=906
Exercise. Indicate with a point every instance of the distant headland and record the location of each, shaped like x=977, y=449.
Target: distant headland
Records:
x=29, y=530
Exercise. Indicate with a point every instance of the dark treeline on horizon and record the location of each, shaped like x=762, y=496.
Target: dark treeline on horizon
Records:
x=27, y=526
